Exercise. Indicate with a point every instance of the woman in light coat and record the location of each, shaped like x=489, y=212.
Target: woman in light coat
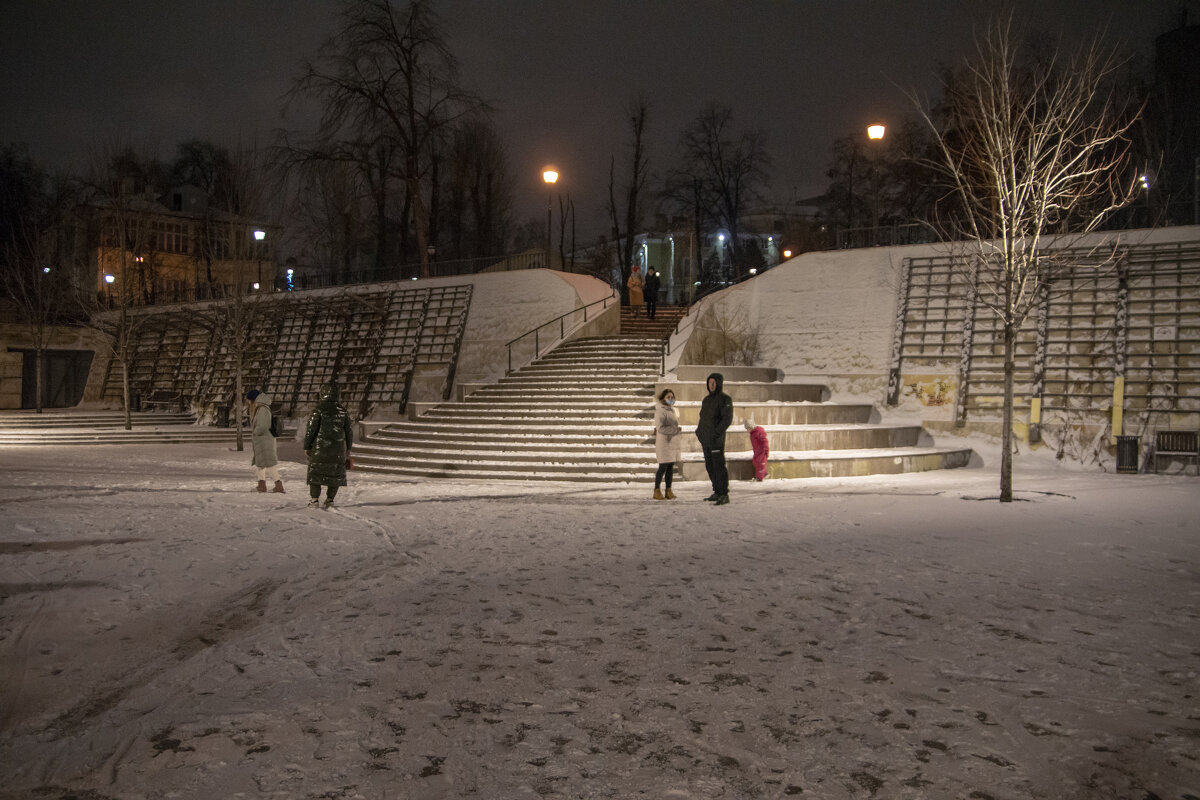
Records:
x=635, y=284
x=266, y=455
x=667, y=438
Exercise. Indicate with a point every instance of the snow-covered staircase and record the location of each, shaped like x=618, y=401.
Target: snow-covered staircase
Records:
x=634, y=321
x=78, y=427
x=583, y=412
x=74, y=427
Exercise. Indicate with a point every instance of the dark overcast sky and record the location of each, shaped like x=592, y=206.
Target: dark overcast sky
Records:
x=76, y=75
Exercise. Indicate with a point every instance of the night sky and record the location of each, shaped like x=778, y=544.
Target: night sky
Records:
x=78, y=75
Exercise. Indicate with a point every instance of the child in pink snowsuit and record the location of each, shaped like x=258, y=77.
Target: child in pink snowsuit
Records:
x=758, y=440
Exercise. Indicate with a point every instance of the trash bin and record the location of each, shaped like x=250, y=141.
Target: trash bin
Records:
x=1127, y=454
x=223, y=416
x=135, y=401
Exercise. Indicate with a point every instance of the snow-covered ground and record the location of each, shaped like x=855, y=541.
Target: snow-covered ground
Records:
x=167, y=633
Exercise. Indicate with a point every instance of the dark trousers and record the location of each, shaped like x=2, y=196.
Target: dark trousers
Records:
x=665, y=472
x=651, y=306
x=714, y=463
x=314, y=491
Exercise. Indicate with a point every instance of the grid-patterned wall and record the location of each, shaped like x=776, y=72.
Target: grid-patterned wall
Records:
x=369, y=342
x=1136, y=317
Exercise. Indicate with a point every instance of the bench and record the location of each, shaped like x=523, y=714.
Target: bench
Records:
x=1182, y=444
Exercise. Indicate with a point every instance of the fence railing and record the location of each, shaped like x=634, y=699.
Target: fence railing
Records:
x=562, y=327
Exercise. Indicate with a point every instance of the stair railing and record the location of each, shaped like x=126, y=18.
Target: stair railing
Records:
x=687, y=313
x=562, y=327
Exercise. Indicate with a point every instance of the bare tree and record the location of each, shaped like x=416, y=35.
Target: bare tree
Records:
x=119, y=196
x=722, y=171
x=1031, y=149
x=632, y=190
x=478, y=191
x=33, y=211
x=236, y=311
x=387, y=82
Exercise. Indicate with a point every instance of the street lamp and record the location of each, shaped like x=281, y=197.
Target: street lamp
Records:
x=875, y=133
x=550, y=176
x=259, y=235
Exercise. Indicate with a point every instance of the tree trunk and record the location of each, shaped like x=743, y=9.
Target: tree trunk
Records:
x=1006, y=428
x=40, y=371
x=235, y=407
x=125, y=390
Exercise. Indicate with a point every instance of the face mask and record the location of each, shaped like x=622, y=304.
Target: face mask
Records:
x=670, y=401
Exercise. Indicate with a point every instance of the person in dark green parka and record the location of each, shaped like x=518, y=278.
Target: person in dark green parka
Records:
x=327, y=443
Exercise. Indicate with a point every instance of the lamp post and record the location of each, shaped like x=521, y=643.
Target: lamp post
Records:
x=875, y=133
x=550, y=176
x=259, y=235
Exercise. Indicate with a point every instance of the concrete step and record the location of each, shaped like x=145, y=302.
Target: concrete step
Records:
x=556, y=455
x=399, y=433
x=788, y=438
x=453, y=463
x=584, y=445
x=834, y=463
x=769, y=414
x=176, y=435
x=550, y=418
x=26, y=420
x=478, y=473
x=749, y=392
x=544, y=392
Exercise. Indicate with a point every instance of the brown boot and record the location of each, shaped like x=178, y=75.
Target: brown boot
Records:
x=278, y=487
x=658, y=495
x=262, y=486
x=669, y=494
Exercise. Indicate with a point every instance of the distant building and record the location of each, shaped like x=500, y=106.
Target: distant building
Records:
x=143, y=249
x=685, y=259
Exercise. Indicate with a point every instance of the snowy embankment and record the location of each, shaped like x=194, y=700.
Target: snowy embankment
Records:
x=168, y=633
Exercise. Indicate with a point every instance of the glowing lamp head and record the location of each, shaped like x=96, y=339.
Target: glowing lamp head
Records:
x=260, y=235
x=875, y=131
x=550, y=175
x=109, y=278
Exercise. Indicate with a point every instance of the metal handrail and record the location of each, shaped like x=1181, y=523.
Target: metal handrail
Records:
x=562, y=329
x=666, y=343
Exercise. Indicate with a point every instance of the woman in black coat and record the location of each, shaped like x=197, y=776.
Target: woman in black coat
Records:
x=327, y=443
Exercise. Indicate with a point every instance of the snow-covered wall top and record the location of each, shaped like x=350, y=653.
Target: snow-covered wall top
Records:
x=505, y=305
x=831, y=313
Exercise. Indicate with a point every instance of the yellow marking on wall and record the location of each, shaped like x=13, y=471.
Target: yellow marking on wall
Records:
x=1118, y=414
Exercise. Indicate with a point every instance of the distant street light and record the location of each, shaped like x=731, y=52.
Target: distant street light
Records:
x=259, y=235
x=875, y=131
x=550, y=176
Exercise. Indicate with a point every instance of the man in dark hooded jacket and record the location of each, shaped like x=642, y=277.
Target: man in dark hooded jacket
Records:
x=327, y=443
x=716, y=413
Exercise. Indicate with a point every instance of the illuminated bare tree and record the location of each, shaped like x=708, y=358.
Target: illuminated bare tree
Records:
x=1031, y=148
